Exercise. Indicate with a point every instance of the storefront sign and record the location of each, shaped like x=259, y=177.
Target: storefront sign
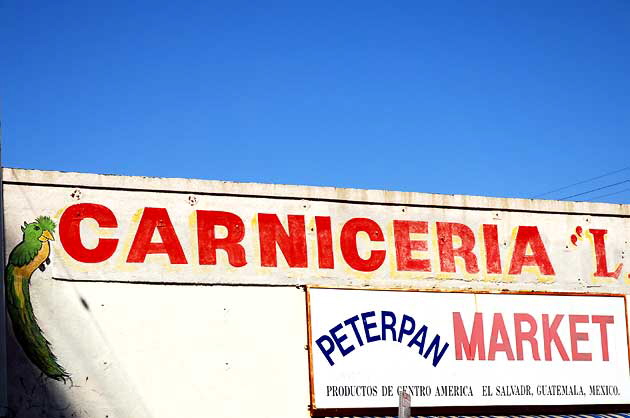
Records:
x=111, y=281
x=466, y=349
x=156, y=230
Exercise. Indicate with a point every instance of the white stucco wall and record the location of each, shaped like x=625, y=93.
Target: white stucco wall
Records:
x=160, y=340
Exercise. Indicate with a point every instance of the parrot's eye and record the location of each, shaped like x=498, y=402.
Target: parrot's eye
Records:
x=36, y=228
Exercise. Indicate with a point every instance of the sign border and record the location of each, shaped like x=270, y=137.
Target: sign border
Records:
x=454, y=410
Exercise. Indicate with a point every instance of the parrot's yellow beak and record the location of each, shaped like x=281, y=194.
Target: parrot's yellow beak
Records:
x=46, y=236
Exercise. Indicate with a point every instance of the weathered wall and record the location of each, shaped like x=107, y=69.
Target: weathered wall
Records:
x=158, y=351
x=151, y=325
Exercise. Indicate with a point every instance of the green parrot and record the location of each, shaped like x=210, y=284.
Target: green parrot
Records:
x=29, y=255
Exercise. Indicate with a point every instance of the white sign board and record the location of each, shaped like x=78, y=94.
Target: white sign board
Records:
x=465, y=349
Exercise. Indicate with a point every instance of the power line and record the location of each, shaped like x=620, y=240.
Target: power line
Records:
x=606, y=195
x=594, y=190
x=582, y=182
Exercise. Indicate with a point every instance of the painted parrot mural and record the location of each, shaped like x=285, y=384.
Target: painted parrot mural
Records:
x=29, y=255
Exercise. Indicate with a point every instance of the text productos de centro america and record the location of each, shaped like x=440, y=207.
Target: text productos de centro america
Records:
x=468, y=390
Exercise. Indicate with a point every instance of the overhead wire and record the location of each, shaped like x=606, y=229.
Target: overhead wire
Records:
x=581, y=182
x=594, y=190
x=606, y=195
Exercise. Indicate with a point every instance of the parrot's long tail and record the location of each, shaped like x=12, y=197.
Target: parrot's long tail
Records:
x=25, y=327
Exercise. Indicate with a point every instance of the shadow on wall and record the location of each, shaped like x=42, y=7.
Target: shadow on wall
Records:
x=30, y=393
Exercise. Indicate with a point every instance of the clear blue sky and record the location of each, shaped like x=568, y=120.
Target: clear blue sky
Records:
x=488, y=98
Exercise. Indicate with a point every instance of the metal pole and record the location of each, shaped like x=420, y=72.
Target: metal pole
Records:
x=404, y=404
x=4, y=400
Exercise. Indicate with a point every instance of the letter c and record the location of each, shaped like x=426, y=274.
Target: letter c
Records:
x=70, y=232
